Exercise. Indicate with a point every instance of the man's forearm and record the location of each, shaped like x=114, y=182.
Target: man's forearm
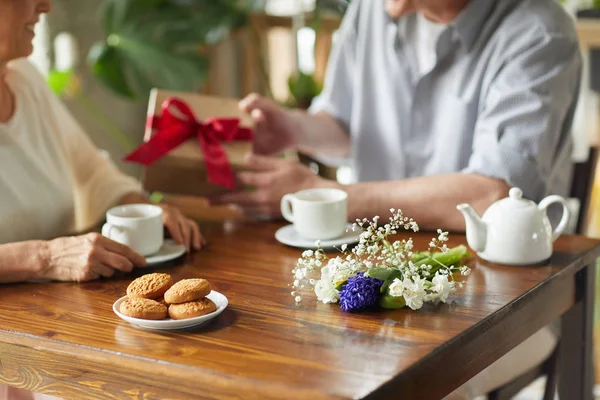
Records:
x=21, y=261
x=431, y=201
x=321, y=134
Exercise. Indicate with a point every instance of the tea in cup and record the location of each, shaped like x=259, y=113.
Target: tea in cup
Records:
x=317, y=214
x=138, y=226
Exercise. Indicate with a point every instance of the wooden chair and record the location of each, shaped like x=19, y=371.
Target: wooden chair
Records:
x=581, y=187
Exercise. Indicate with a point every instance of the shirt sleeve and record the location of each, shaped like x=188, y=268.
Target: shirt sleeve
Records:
x=98, y=183
x=526, y=114
x=336, y=97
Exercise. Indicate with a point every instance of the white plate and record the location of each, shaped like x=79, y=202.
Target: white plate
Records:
x=169, y=251
x=167, y=324
x=288, y=236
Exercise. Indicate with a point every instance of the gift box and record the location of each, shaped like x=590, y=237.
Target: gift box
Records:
x=193, y=144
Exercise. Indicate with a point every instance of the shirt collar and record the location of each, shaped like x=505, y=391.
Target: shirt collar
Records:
x=469, y=22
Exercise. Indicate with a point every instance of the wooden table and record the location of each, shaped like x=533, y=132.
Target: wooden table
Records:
x=63, y=338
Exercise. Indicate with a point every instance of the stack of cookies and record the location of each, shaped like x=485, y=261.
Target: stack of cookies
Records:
x=154, y=296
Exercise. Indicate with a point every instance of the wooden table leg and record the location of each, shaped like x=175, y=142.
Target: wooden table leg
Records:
x=576, y=380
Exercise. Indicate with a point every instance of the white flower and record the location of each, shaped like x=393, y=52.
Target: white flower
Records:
x=396, y=289
x=414, y=292
x=338, y=270
x=299, y=274
x=325, y=291
x=344, y=247
x=443, y=236
x=442, y=286
x=307, y=253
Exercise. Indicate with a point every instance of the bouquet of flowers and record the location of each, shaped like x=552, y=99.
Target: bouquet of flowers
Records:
x=377, y=272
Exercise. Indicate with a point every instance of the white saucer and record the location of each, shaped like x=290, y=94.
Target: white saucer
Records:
x=168, y=324
x=169, y=251
x=288, y=236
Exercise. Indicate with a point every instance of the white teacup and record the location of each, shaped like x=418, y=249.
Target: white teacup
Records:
x=138, y=226
x=318, y=214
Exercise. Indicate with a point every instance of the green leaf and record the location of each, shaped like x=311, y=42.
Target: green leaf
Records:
x=303, y=87
x=156, y=197
x=383, y=274
x=420, y=256
x=451, y=258
x=156, y=43
x=59, y=81
x=390, y=302
x=108, y=67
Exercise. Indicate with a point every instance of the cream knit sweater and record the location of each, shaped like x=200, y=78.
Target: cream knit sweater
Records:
x=53, y=180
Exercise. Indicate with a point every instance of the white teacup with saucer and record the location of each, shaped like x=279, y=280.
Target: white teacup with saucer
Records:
x=316, y=214
x=140, y=227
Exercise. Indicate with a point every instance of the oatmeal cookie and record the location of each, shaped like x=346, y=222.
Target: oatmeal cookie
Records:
x=150, y=286
x=143, y=308
x=192, y=309
x=187, y=290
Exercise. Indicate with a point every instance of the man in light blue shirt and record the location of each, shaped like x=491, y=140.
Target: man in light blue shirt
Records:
x=492, y=111
x=434, y=103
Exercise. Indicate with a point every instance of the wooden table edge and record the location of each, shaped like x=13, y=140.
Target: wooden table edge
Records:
x=186, y=376
x=563, y=279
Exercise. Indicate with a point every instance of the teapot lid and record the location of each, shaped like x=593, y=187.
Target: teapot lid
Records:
x=514, y=201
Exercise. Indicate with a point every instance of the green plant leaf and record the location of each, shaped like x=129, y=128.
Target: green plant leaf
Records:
x=108, y=67
x=156, y=43
x=303, y=87
x=59, y=81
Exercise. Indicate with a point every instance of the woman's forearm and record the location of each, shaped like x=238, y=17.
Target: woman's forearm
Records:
x=21, y=261
x=134, y=198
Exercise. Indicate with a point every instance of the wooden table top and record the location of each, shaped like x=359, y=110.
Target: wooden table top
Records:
x=64, y=339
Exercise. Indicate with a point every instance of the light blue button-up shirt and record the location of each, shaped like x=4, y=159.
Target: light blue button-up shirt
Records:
x=499, y=101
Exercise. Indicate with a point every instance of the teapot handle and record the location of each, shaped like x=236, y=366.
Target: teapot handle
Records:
x=565, y=215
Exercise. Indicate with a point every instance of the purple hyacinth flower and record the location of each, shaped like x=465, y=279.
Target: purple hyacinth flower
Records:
x=360, y=292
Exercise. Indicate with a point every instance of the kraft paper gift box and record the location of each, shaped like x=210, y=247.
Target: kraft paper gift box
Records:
x=183, y=169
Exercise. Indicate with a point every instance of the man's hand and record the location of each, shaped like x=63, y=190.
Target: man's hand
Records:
x=182, y=229
x=86, y=257
x=272, y=178
x=276, y=128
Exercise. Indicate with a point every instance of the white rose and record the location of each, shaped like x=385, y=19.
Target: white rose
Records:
x=325, y=291
x=396, y=289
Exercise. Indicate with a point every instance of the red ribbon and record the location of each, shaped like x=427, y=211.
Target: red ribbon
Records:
x=177, y=124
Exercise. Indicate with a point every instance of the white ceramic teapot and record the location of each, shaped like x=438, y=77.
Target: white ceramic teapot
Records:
x=514, y=230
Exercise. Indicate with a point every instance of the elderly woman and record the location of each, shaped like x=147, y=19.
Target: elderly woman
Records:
x=50, y=170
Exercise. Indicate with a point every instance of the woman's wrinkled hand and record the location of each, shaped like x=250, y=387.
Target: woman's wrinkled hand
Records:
x=182, y=229
x=86, y=257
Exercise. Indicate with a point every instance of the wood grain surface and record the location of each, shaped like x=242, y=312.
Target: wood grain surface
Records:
x=64, y=339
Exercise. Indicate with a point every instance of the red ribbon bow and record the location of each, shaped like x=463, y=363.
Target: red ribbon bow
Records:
x=177, y=124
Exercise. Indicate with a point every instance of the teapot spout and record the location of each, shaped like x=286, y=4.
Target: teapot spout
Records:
x=476, y=228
